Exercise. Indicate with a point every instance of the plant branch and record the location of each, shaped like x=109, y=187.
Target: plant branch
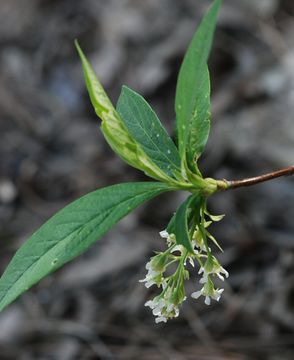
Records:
x=234, y=184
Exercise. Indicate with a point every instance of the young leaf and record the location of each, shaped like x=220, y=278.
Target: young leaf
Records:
x=145, y=127
x=181, y=221
x=98, y=96
x=193, y=90
x=172, y=223
x=113, y=128
x=70, y=232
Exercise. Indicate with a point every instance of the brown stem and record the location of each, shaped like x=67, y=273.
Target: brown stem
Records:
x=234, y=184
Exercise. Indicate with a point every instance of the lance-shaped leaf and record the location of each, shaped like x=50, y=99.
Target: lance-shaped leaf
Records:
x=144, y=126
x=70, y=232
x=113, y=128
x=193, y=90
x=183, y=218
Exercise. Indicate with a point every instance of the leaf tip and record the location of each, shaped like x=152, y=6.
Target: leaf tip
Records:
x=79, y=50
x=126, y=89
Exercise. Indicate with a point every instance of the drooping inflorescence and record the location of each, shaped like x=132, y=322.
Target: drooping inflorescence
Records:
x=168, y=270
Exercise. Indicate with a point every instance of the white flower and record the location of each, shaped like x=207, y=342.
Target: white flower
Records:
x=208, y=291
x=162, y=309
x=197, y=294
x=190, y=260
x=179, y=248
x=170, y=238
x=164, y=234
x=212, y=267
x=198, y=241
x=152, y=277
x=198, y=246
x=222, y=271
x=215, y=294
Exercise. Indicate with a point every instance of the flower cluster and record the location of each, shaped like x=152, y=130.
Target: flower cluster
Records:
x=166, y=305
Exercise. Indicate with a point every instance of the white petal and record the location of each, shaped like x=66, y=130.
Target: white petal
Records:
x=149, y=284
x=148, y=265
x=218, y=294
x=161, y=303
x=161, y=319
x=207, y=300
x=204, y=278
x=220, y=276
x=156, y=311
x=224, y=271
x=150, y=303
x=191, y=261
x=196, y=294
x=179, y=248
x=164, y=234
x=152, y=273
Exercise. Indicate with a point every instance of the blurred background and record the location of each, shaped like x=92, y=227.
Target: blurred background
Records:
x=52, y=151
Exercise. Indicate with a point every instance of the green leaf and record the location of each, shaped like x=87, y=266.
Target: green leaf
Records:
x=193, y=90
x=70, y=232
x=114, y=129
x=172, y=223
x=145, y=127
x=98, y=96
x=182, y=219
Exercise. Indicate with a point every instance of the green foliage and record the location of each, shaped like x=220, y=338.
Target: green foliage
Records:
x=193, y=92
x=113, y=128
x=135, y=133
x=98, y=96
x=146, y=129
x=70, y=232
